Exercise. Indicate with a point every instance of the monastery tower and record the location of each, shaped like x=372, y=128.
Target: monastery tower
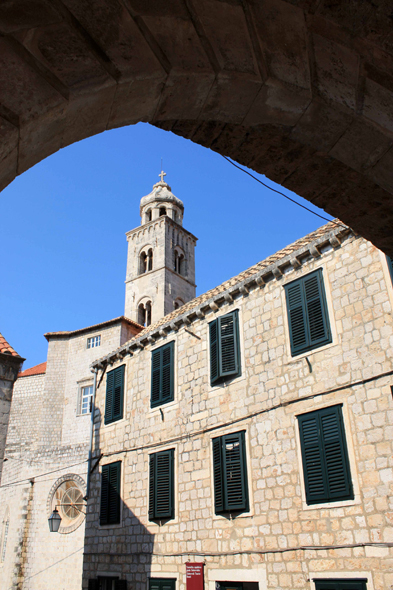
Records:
x=160, y=260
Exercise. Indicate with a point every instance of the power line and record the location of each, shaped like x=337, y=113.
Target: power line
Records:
x=21, y=481
x=248, y=416
x=281, y=193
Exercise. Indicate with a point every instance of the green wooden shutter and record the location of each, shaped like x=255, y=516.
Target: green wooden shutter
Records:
x=152, y=485
x=110, y=386
x=104, y=495
x=155, y=377
x=110, y=494
x=114, y=493
x=167, y=373
x=325, y=456
x=118, y=393
x=162, y=375
x=230, y=473
x=161, y=485
x=228, y=339
x=318, y=321
x=358, y=584
x=296, y=317
x=162, y=584
x=218, y=476
x=214, y=371
x=235, y=472
x=307, y=313
x=390, y=265
x=114, y=395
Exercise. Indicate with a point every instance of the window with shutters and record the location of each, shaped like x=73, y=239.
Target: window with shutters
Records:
x=114, y=395
x=161, y=485
x=308, y=318
x=107, y=583
x=345, y=584
x=162, y=375
x=230, y=473
x=224, y=348
x=326, y=471
x=162, y=584
x=390, y=265
x=110, y=493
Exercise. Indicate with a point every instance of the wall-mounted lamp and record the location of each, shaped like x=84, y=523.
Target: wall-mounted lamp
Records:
x=54, y=521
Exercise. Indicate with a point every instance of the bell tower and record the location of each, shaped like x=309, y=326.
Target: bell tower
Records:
x=160, y=261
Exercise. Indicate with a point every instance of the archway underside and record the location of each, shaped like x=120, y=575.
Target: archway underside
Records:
x=301, y=91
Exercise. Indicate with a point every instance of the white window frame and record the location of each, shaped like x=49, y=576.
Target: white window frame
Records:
x=94, y=341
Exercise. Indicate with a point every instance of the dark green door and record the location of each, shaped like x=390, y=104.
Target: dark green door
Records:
x=231, y=586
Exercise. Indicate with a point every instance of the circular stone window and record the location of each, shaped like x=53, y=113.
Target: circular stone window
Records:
x=67, y=495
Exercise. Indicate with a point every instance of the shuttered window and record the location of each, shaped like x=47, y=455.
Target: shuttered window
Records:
x=390, y=265
x=114, y=395
x=161, y=486
x=230, y=473
x=110, y=494
x=224, y=347
x=162, y=584
x=162, y=375
x=327, y=477
x=308, y=318
x=359, y=584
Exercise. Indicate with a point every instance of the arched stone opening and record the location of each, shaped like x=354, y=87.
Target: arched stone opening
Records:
x=144, y=313
x=178, y=303
x=179, y=262
x=145, y=260
x=148, y=216
x=162, y=211
x=301, y=93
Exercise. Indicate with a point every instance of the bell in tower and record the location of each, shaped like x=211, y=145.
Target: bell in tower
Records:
x=160, y=260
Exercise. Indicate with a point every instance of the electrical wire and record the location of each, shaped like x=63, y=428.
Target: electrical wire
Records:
x=282, y=194
x=247, y=417
x=251, y=551
x=34, y=477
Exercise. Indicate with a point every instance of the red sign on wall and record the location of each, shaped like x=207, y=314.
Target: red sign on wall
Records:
x=194, y=576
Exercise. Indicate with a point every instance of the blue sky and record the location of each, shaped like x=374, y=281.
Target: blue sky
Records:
x=64, y=223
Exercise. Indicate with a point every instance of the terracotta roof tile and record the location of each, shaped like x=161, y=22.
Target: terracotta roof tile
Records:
x=306, y=241
x=37, y=370
x=6, y=348
x=95, y=327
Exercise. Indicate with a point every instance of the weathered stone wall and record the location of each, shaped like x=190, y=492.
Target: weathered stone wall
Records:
x=47, y=439
x=268, y=544
x=9, y=367
x=161, y=285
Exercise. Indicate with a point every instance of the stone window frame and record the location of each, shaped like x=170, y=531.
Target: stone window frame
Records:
x=247, y=445
x=93, y=341
x=236, y=305
x=175, y=402
x=82, y=383
x=351, y=455
x=154, y=524
x=122, y=459
x=352, y=575
x=289, y=278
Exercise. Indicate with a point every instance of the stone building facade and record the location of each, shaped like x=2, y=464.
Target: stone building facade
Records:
x=46, y=450
x=256, y=432
x=161, y=260
x=10, y=364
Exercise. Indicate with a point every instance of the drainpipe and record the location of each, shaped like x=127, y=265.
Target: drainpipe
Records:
x=93, y=405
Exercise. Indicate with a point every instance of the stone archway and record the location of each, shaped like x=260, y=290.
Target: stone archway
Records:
x=300, y=90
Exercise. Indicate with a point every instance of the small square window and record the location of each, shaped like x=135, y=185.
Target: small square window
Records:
x=86, y=399
x=94, y=342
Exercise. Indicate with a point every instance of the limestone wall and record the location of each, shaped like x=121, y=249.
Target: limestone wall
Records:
x=48, y=439
x=267, y=544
